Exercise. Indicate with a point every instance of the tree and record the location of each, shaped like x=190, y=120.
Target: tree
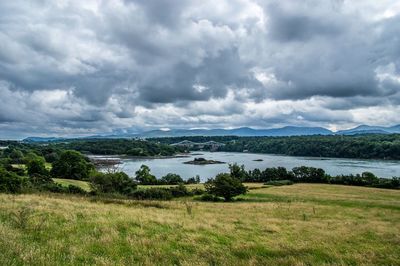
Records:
x=369, y=178
x=193, y=180
x=113, y=183
x=309, y=174
x=276, y=173
x=16, y=156
x=226, y=186
x=10, y=182
x=238, y=171
x=144, y=177
x=171, y=179
x=37, y=166
x=71, y=165
x=30, y=156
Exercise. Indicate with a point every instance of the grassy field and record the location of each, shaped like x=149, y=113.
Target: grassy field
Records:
x=66, y=182
x=302, y=224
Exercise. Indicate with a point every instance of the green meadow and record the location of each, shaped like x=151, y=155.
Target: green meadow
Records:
x=301, y=224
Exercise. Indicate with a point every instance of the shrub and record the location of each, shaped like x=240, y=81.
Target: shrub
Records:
x=37, y=166
x=38, y=179
x=10, y=182
x=209, y=197
x=198, y=191
x=52, y=187
x=75, y=190
x=180, y=191
x=152, y=194
x=113, y=183
x=224, y=185
x=22, y=217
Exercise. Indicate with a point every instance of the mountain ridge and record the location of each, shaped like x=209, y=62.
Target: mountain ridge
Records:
x=241, y=131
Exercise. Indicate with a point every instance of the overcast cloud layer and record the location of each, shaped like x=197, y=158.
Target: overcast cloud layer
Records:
x=72, y=67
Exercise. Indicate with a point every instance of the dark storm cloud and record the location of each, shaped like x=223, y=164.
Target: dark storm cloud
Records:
x=163, y=12
x=291, y=26
x=210, y=79
x=323, y=51
x=103, y=64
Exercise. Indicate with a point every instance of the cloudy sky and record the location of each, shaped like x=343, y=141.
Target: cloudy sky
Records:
x=72, y=67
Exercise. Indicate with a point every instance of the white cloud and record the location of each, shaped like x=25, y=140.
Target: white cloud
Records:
x=92, y=66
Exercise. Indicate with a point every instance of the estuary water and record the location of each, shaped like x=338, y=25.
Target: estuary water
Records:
x=332, y=166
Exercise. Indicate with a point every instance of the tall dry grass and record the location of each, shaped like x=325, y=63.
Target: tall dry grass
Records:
x=289, y=225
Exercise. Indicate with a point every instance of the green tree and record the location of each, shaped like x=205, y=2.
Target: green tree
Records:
x=144, y=177
x=71, y=165
x=309, y=174
x=237, y=171
x=16, y=156
x=10, y=182
x=37, y=166
x=226, y=186
x=113, y=183
x=171, y=179
x=193, y=180
x=30, y=156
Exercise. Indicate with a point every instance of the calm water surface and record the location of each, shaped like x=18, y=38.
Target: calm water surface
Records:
x=333, y=166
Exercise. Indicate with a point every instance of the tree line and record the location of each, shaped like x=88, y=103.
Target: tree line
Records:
x=51, y=150
x=305, y=174
x=374, y=146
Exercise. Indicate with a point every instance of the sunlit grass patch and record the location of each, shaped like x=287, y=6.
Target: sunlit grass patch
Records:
x=66, y=182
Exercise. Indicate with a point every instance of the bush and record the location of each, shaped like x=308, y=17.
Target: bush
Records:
x=198, y=191
x=113, y=183
x=152, y=194
x=10, y=182
x=37, y=166
x=180, y=191
x=38, y=179
x=225, y=186
x=76, y=190
x=52, y=187
x=209, y=197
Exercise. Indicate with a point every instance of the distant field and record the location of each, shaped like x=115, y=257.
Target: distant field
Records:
x=303, y=224
x=65, y=182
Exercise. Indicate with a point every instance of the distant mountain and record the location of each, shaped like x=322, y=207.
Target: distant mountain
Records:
x=242, y=132
x=43, y=139
x=365, y=129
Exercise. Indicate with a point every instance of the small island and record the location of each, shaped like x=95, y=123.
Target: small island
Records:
x=202, y=161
